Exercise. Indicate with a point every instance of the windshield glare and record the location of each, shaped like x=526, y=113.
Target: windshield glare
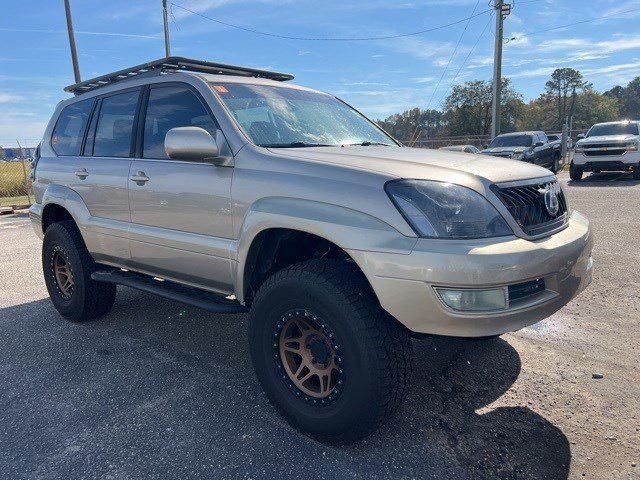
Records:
x=284, y=117
x=613, y=129
x=512, y=141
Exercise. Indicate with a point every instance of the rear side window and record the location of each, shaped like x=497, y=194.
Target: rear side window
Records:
x=171, y=107
x=69, y=130
x=115, y=125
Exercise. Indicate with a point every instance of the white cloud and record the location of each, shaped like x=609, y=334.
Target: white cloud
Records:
x=423, y=79
x=10, y=98
x=80, y=32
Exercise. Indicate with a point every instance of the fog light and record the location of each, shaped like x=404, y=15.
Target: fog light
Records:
x=474, y=300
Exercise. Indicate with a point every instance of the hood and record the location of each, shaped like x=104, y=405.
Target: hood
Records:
x=405, y=162
x=607, y=138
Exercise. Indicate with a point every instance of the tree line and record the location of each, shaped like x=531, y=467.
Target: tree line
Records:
x=467, y=109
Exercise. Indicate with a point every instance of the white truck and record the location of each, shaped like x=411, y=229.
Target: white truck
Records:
x=611, y=146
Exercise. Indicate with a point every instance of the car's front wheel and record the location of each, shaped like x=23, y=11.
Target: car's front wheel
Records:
x=67, y=268
x=575, y=172
x=329, y=358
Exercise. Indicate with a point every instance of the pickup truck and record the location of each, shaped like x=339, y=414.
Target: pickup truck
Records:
x=532, y=147
x=611, y=146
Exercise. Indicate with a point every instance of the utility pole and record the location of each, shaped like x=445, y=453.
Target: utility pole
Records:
x=501, y=11
x=72, y=42
x=167, y=47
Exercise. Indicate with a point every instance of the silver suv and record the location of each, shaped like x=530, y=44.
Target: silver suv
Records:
x=229, y=189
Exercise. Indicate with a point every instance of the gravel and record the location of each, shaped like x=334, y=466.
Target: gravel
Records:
x=161, y=390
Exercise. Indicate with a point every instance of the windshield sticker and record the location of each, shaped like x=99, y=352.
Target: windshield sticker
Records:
x=220, y=89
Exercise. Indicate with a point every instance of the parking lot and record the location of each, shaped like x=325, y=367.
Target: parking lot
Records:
x=161, y=390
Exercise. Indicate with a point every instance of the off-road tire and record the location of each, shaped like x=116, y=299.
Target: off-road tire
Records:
x=89, y=299
x=575, y=172
x=376, y=349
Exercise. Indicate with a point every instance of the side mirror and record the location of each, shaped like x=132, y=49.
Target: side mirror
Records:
x=581, y=135
x=194, y=144
x=538, y=144
x=485, y=146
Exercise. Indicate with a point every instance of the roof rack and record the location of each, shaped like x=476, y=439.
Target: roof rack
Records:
x=173, y=63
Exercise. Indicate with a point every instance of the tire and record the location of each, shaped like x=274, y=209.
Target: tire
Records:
x=555, y=166
x=87, y=299
x=575, y=173
x=636, y=172
x=373, y=351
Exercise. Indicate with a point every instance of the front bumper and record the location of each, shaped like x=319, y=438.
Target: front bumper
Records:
x=405, y=284
x=607, y=162
x=35, y=215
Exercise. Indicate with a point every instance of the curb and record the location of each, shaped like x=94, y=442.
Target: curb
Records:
x=12, y=209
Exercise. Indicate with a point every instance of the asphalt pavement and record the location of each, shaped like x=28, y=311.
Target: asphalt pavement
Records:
x=162, y=390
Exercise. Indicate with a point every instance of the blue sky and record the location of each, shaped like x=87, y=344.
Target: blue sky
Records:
x=380, y=76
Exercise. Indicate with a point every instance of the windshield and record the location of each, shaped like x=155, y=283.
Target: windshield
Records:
x=512, y=141
x=286, y=117
x=613, y=129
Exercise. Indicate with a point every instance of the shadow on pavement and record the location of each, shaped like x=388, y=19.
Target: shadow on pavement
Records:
x=606, y=179
x=157, y=389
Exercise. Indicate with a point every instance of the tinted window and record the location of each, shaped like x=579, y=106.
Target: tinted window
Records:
x=171, y=107
x=613, y=129
x=512, y=141
x=115, y=124
x=69, y=131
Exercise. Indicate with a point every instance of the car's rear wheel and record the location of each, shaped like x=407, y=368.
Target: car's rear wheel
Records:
x=575, y=172
x=67, y=268
x=332, y=362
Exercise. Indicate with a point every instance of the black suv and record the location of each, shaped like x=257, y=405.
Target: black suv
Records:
x=532, y=147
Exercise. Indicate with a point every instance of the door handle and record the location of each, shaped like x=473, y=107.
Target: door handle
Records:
x=140, y=178
x=82, y=173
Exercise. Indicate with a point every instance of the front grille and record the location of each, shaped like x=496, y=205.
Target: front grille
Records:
x=604, y=145
x=525, y=290
x=601, y=153
x=526, y=203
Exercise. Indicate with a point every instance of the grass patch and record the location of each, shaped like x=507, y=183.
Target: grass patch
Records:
x=14, y=201
x=12, y=184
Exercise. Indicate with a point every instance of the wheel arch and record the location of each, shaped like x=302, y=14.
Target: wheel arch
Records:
x=278, y=231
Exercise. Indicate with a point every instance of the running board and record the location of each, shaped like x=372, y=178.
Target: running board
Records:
x=171, y=290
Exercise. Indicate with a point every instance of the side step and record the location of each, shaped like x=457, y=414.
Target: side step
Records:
x=171, y=290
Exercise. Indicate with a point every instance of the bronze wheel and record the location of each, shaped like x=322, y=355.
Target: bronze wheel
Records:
x=308, y=357
x=63, y=273
x=67, y=268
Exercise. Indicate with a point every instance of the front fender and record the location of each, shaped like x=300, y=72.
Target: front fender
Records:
x=347, y=228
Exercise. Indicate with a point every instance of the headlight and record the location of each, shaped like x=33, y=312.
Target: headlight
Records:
x=578, y=149
x=632, y=147
x=444, y=210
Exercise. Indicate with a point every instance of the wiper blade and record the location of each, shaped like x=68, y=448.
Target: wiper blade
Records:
x=365, y=144
x=295, y=145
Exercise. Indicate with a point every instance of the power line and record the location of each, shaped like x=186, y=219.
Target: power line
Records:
x=455, y=77
x=455, y=50
x=329, y=39
x=572, y=24
x=444, y=71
